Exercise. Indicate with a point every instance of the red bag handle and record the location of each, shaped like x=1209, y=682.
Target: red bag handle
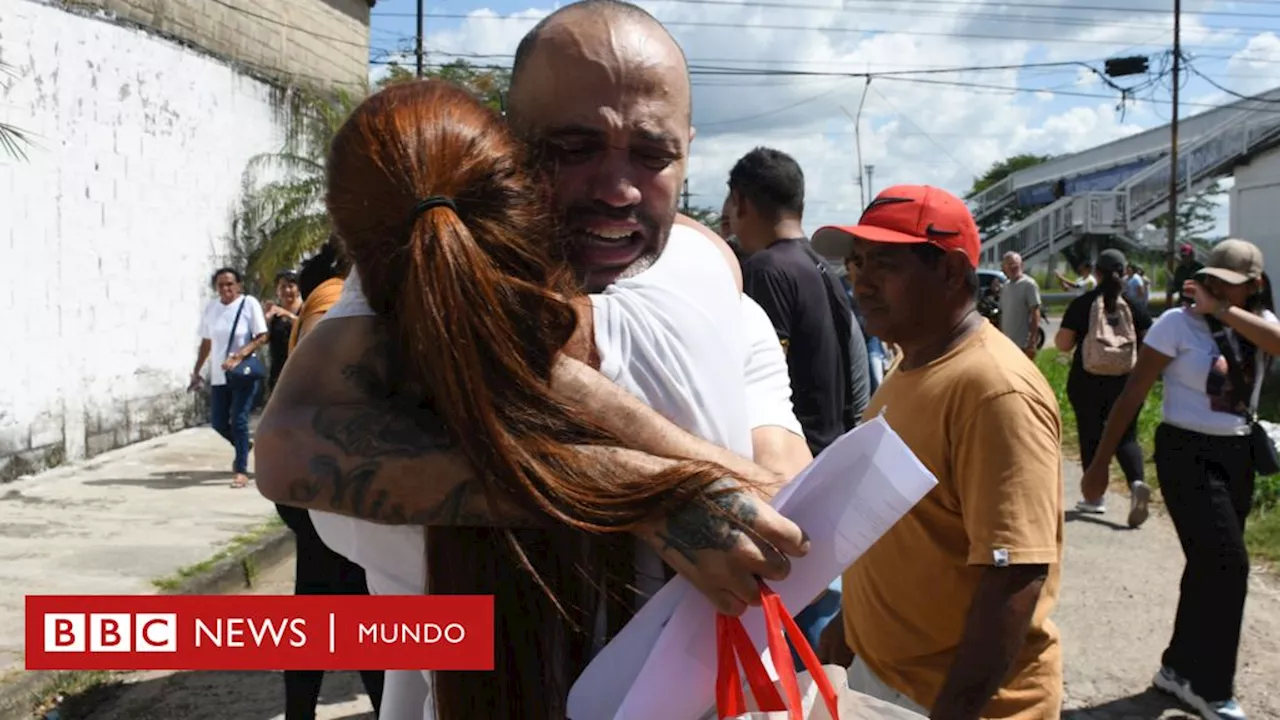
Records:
x=734, y=644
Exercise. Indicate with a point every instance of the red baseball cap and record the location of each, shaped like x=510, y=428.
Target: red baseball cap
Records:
x=910, y=214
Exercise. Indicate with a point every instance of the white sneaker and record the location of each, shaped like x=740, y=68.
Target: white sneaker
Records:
x=1092, y=508
x=1169, y=681
x=1139, y=499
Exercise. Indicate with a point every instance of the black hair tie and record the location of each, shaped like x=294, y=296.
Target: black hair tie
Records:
x=434, y=201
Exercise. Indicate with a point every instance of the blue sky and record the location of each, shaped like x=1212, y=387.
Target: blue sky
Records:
x=937, y=128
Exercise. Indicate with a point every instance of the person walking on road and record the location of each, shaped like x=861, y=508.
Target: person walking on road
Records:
x=232, y=329
x=1020, y=306
x=947, y=614
x=1105, y=330
x=281, y=316
x=1212, y=356
x=318, y=570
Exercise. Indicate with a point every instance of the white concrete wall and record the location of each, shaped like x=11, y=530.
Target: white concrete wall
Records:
x=1255, y=208
x=111, y=227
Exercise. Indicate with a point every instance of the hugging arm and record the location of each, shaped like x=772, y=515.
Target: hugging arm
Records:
x=330, y=440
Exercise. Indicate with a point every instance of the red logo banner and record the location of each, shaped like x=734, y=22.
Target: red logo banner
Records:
x=259, y=632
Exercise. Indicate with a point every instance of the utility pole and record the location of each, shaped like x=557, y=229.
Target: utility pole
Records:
x=1173, y=147
x=420, y=19
x=684, y=194
x=871, y=187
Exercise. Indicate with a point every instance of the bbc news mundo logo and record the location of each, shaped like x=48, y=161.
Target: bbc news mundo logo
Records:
x=110, y=632
x=280, y=632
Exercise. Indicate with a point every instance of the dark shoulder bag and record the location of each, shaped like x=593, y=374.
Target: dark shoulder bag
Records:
x=251, y=368
x=1265, y=459
x=843, y=318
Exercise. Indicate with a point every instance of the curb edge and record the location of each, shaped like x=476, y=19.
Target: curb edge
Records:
x=22, y=689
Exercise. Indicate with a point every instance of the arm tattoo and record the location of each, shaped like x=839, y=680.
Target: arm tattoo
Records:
x=351, y=492
x=387, y=427
x=712, y=522
x=382, y=429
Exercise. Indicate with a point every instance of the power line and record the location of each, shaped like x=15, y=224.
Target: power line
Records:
x=1211, y=81
x=283, y=24
x=930, y=138
x=805, y=28
x=964, y=3
x=1241, y=58
x=767, y=113
x=1001, y=89
x=913, y=67
x=1057, y=20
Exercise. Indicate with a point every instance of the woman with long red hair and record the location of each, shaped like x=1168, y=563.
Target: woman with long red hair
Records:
x=435, y=205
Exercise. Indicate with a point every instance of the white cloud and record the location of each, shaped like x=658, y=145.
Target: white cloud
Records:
x=1256, y=67
x=922, y=131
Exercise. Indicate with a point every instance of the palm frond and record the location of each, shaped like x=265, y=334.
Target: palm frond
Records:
x=289, y=242
x=287, y=163
x=13, y=140
x=281, y=214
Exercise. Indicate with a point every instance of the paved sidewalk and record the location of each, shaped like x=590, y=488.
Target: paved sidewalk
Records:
x=115, y=523
x=224, y=695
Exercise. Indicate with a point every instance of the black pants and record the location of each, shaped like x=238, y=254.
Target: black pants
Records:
x=1092, y=405
x=1207, y=483
x=320, y=571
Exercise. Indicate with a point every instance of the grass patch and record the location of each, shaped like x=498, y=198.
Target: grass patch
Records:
x=76, y=694
x=175, y=581
x=1262, y=534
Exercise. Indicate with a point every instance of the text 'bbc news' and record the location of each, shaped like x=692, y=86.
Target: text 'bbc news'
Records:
x=440, y=632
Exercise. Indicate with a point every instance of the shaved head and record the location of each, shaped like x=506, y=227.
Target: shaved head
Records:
x=604, y=15
x=600, y=90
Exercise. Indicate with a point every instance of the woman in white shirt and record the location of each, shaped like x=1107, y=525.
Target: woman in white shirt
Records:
x=1204, y=460
x=232, y=329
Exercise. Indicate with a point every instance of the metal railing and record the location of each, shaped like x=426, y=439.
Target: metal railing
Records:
x=1147, y=192
x=991, y=199
x=1141, y=198
x=1028, y=235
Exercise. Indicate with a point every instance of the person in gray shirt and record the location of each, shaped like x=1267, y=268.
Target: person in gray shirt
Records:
x=1019, y=305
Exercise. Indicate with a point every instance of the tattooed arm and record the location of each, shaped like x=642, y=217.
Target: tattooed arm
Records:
x=330, y=440
x=327, y=441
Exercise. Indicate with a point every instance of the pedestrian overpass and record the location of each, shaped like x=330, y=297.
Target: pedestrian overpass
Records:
x=1109, y=193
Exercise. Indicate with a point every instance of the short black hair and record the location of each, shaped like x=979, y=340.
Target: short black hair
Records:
x=329, y=262
x=213, y=279
x=288, y=276
x=772, y=180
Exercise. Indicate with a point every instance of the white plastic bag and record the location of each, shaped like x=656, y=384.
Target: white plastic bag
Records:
x=851, y=705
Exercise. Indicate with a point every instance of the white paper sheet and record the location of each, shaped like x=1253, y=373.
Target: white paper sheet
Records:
x=663, y=663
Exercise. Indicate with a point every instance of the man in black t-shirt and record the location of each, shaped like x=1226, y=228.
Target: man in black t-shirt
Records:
x=809, y=311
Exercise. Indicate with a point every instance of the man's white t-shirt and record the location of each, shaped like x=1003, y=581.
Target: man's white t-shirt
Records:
x=215, y=326
x=678, y=336
x=1194, y=378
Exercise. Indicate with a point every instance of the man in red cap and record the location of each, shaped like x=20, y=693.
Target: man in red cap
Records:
x=948, y=614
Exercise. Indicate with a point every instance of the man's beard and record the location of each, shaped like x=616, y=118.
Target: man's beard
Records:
x=574, y=241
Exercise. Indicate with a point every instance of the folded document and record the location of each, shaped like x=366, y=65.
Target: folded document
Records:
x=663, y=663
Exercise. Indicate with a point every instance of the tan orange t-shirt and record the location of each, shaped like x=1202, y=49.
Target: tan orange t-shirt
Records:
x=318, y=302
x=984, y=420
